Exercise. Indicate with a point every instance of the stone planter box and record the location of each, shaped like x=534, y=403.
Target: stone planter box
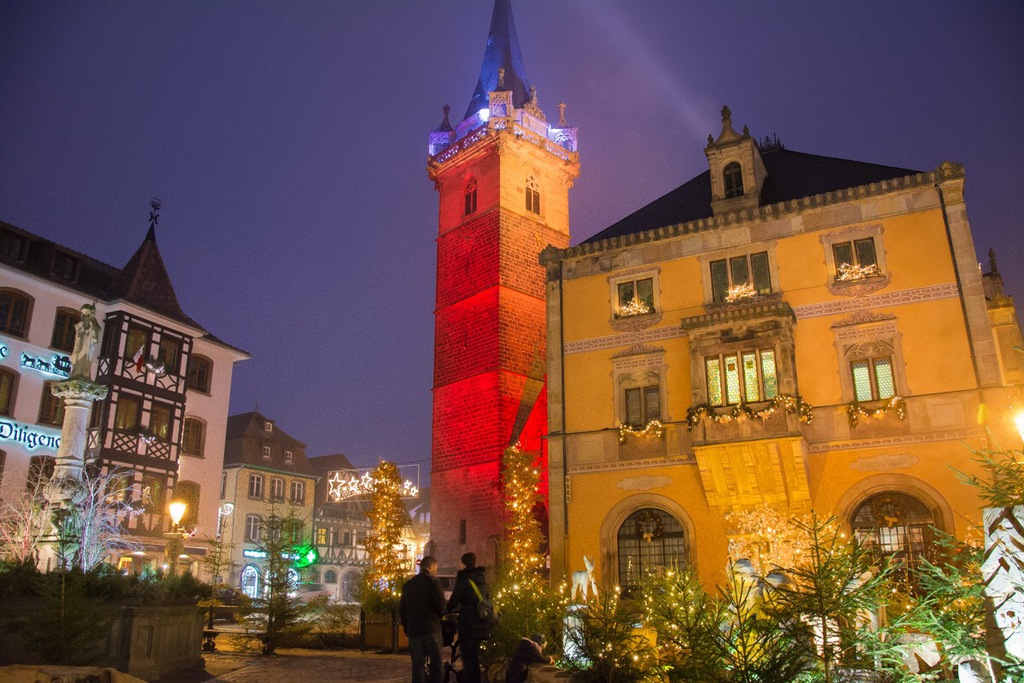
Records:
x=144, y=641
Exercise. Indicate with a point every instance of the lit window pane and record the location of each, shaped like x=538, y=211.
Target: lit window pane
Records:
x=713, y=368
x=750, y=388
x=768, y=375
x=732, y=379
x=861, y=380
x=883, y=376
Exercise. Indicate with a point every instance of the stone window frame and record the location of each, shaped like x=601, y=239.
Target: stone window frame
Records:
x=617, y=515
x=297, y=492
x=850, y=234
x=200, y=374
x=869, y=336
x=747, y=249
x=635, y=369
x=253, y=528
x=189, y=426
x=532, y=192
x=256, y=486
x=275, y=484
x=633, y=322
x=738, y=350
x=734, y=169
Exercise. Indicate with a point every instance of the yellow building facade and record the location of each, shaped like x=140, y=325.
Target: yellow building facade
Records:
x=784, y=332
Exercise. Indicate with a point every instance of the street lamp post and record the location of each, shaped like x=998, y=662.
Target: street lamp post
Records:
x=176, y=536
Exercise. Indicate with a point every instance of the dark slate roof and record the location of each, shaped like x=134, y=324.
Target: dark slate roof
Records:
x=251, y=426
x=92, y=277
x=329, y=463
x=144, y=281
x=502, y=51
x=791, y=175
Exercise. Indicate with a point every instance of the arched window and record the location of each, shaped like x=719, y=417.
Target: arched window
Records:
x=649, y=539
x=14, y=312
x=532, y=195
x=470, y=197
x=251, y=581
x=64, y=322
x=871, y=370
x=200, y=373
x=7, y=379
x=188, y=493
x=350, y=587
x=896, y=527
x=193, y=435
x=732, y=176
x=51, y=408
x=330, y=576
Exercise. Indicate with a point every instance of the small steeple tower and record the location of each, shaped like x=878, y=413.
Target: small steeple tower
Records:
x=503, y=176
x=737, y=171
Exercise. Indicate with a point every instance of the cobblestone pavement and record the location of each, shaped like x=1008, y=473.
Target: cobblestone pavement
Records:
x=294, y=666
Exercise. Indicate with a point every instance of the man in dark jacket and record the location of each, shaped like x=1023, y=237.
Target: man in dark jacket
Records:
x=472, y=630
x=420, y=611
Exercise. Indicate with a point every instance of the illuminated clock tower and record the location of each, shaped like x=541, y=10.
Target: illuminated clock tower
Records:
x=503, y=175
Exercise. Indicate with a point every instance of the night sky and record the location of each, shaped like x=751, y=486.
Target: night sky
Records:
x=288, y=142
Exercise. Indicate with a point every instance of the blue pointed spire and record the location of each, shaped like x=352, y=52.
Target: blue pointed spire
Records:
x=502, y=52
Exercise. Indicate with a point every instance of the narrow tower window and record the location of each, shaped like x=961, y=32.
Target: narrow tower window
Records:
x=532, y=195
x=733, y=177
x=471, y=197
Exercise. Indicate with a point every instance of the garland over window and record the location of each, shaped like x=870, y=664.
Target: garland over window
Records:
x=793, y=405
x=653, y=428
x=896, y=404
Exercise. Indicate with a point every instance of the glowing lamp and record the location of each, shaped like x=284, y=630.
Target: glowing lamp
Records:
x=177, y=509
x=484, y=114
x=1019, y=421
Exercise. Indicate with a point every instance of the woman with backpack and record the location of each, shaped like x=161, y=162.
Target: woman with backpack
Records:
x=469, y=590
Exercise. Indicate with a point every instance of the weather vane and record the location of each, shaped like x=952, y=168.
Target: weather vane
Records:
x=155, y=203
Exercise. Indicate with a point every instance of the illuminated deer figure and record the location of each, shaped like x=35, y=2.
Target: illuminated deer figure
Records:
x=584, y=580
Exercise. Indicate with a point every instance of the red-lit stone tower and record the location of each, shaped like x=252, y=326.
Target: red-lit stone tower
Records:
x=503, y=175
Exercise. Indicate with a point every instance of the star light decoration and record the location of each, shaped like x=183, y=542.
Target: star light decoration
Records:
x=345, y=485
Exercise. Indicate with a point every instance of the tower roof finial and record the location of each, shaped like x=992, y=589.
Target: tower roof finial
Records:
x=502, y=52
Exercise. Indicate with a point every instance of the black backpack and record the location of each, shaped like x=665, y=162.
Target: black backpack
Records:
x=485, y=609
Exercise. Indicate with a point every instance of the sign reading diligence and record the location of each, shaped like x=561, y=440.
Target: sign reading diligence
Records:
x=29, y=436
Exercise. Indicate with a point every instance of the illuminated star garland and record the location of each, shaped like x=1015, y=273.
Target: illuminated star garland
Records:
x=654, y=428
x=896, y=404
x=344, y=485
x=793, y=405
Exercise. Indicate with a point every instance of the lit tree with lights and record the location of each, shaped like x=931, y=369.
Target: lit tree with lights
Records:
x=387, y=517
x=521, y=560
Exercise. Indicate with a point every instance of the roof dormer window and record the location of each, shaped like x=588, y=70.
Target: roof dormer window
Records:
x=732, y=178
x=65, y=266
x=268, y=427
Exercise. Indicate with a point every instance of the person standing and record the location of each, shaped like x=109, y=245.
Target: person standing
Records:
x=420, y=610
x=470, y=587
